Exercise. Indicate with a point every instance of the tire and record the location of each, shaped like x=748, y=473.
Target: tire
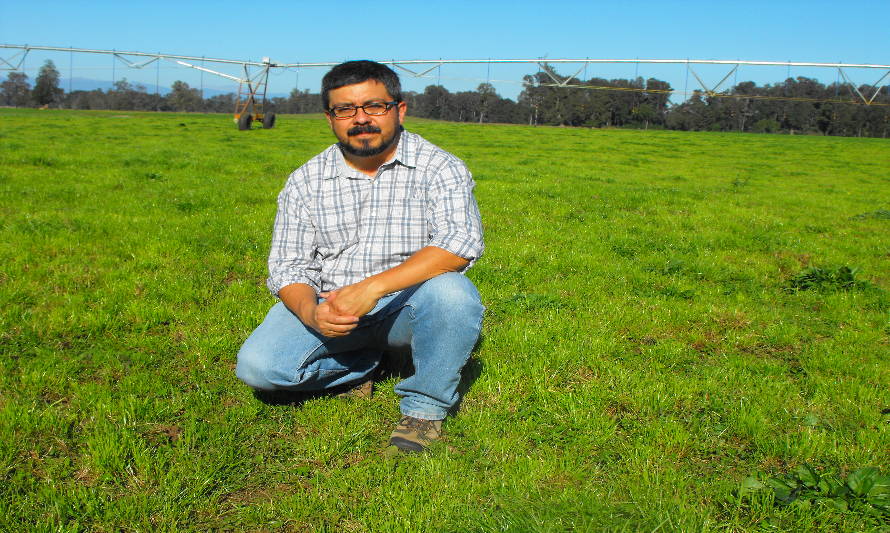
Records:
x=269, y=121
x=244, y=121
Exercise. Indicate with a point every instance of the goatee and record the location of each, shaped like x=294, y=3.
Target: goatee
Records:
x=366, y=150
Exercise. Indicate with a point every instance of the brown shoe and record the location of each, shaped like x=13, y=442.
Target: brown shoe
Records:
x=415, y=434
x=361, y=390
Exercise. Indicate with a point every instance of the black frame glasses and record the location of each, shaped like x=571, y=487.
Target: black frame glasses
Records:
x=349, y=111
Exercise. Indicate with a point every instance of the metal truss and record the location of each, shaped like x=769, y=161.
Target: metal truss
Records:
x=408, y=66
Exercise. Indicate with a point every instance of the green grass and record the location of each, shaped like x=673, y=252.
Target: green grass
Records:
x=645, y=347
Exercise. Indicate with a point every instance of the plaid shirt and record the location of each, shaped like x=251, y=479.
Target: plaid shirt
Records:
x=336, y=226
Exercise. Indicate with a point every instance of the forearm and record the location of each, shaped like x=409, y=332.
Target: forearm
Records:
x=425, y=264
x=301, y=300
x=360, y=298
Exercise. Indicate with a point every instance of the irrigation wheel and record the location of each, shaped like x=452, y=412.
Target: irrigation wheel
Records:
x=269, y=120
x=244, y=121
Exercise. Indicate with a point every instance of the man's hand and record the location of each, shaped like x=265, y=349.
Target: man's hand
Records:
x=353, y=300
x=300, y=298
x=331, y=324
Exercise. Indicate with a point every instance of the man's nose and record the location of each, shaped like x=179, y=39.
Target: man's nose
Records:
x=361, y=117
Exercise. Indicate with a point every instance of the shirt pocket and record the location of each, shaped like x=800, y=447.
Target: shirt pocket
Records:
x=336, y=221
x=410, y=226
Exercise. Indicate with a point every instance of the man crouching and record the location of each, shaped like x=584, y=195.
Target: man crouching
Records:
x=369, y=247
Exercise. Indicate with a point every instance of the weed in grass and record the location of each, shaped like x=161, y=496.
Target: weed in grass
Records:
x=865, y=489
x=740, y=182
x=880, y=214
x=826, y=279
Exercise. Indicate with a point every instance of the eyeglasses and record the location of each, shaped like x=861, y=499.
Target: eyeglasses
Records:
x=373, y=108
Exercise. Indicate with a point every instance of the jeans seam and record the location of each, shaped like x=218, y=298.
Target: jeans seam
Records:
x=469, y=353
x=299, y=367
x=423, y=415
x=418, y=414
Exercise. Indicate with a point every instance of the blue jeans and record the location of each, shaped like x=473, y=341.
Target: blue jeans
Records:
x=439, y=320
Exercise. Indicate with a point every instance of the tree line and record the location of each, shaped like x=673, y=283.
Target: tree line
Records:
x=16, y=91
x=796, y=106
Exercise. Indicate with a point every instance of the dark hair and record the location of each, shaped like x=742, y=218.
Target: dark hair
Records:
x=353, y=72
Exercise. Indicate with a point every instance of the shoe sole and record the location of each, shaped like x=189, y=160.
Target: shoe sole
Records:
x=407, y=445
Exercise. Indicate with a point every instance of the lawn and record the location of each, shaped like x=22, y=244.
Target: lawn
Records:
x=668, y=314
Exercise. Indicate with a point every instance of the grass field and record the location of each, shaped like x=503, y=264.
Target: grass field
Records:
x=668, y=314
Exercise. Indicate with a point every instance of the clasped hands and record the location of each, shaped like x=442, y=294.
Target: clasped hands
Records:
x=339, y=313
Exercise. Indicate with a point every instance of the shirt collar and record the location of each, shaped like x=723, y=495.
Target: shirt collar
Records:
x=406, y=153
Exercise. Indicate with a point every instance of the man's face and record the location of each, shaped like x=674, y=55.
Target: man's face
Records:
x=365, y=135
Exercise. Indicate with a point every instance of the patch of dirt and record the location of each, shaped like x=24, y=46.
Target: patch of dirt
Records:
x=63, y=344
x=163, y=434
x=773, y=464
x=707, y=342
x=584, y=374
x=51, y=397
x=348, y=525
x=85, y=476
x=774, y=350
x=561, y=480
x=230, y=401
x=732, y=320
x=639, y=342
x=623, y=414
x=256, y=494
x=786, y=353
x=790, y=262
x=353, y=459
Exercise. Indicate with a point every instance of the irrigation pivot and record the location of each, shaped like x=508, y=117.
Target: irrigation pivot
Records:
x=251, y=103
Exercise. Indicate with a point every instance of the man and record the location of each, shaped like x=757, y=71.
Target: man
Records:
x=369, y=247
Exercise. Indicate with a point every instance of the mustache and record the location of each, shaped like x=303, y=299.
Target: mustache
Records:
x=367, y=128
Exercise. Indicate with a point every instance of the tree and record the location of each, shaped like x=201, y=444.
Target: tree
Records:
x=302, y=102
x=95, y=99
x=15, y=91
x=487, y=94
x=124, y=95
x=691, y=115
x=225, y=103
x=644, y=113
x=464, y=108
x=184, y=98
x=505, y=111
x=765, y=125
x=46, y=87
x=433, y=103
x=657, y=95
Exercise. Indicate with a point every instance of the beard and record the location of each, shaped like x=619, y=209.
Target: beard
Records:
x=366, y=150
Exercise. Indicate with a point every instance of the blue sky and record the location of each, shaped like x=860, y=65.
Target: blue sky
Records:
x=813, y=30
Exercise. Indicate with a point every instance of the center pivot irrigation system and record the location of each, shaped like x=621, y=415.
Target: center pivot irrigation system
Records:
x=251, y=103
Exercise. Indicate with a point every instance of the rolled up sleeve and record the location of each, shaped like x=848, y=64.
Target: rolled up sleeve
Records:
x=454, y=214
x=292, y=258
